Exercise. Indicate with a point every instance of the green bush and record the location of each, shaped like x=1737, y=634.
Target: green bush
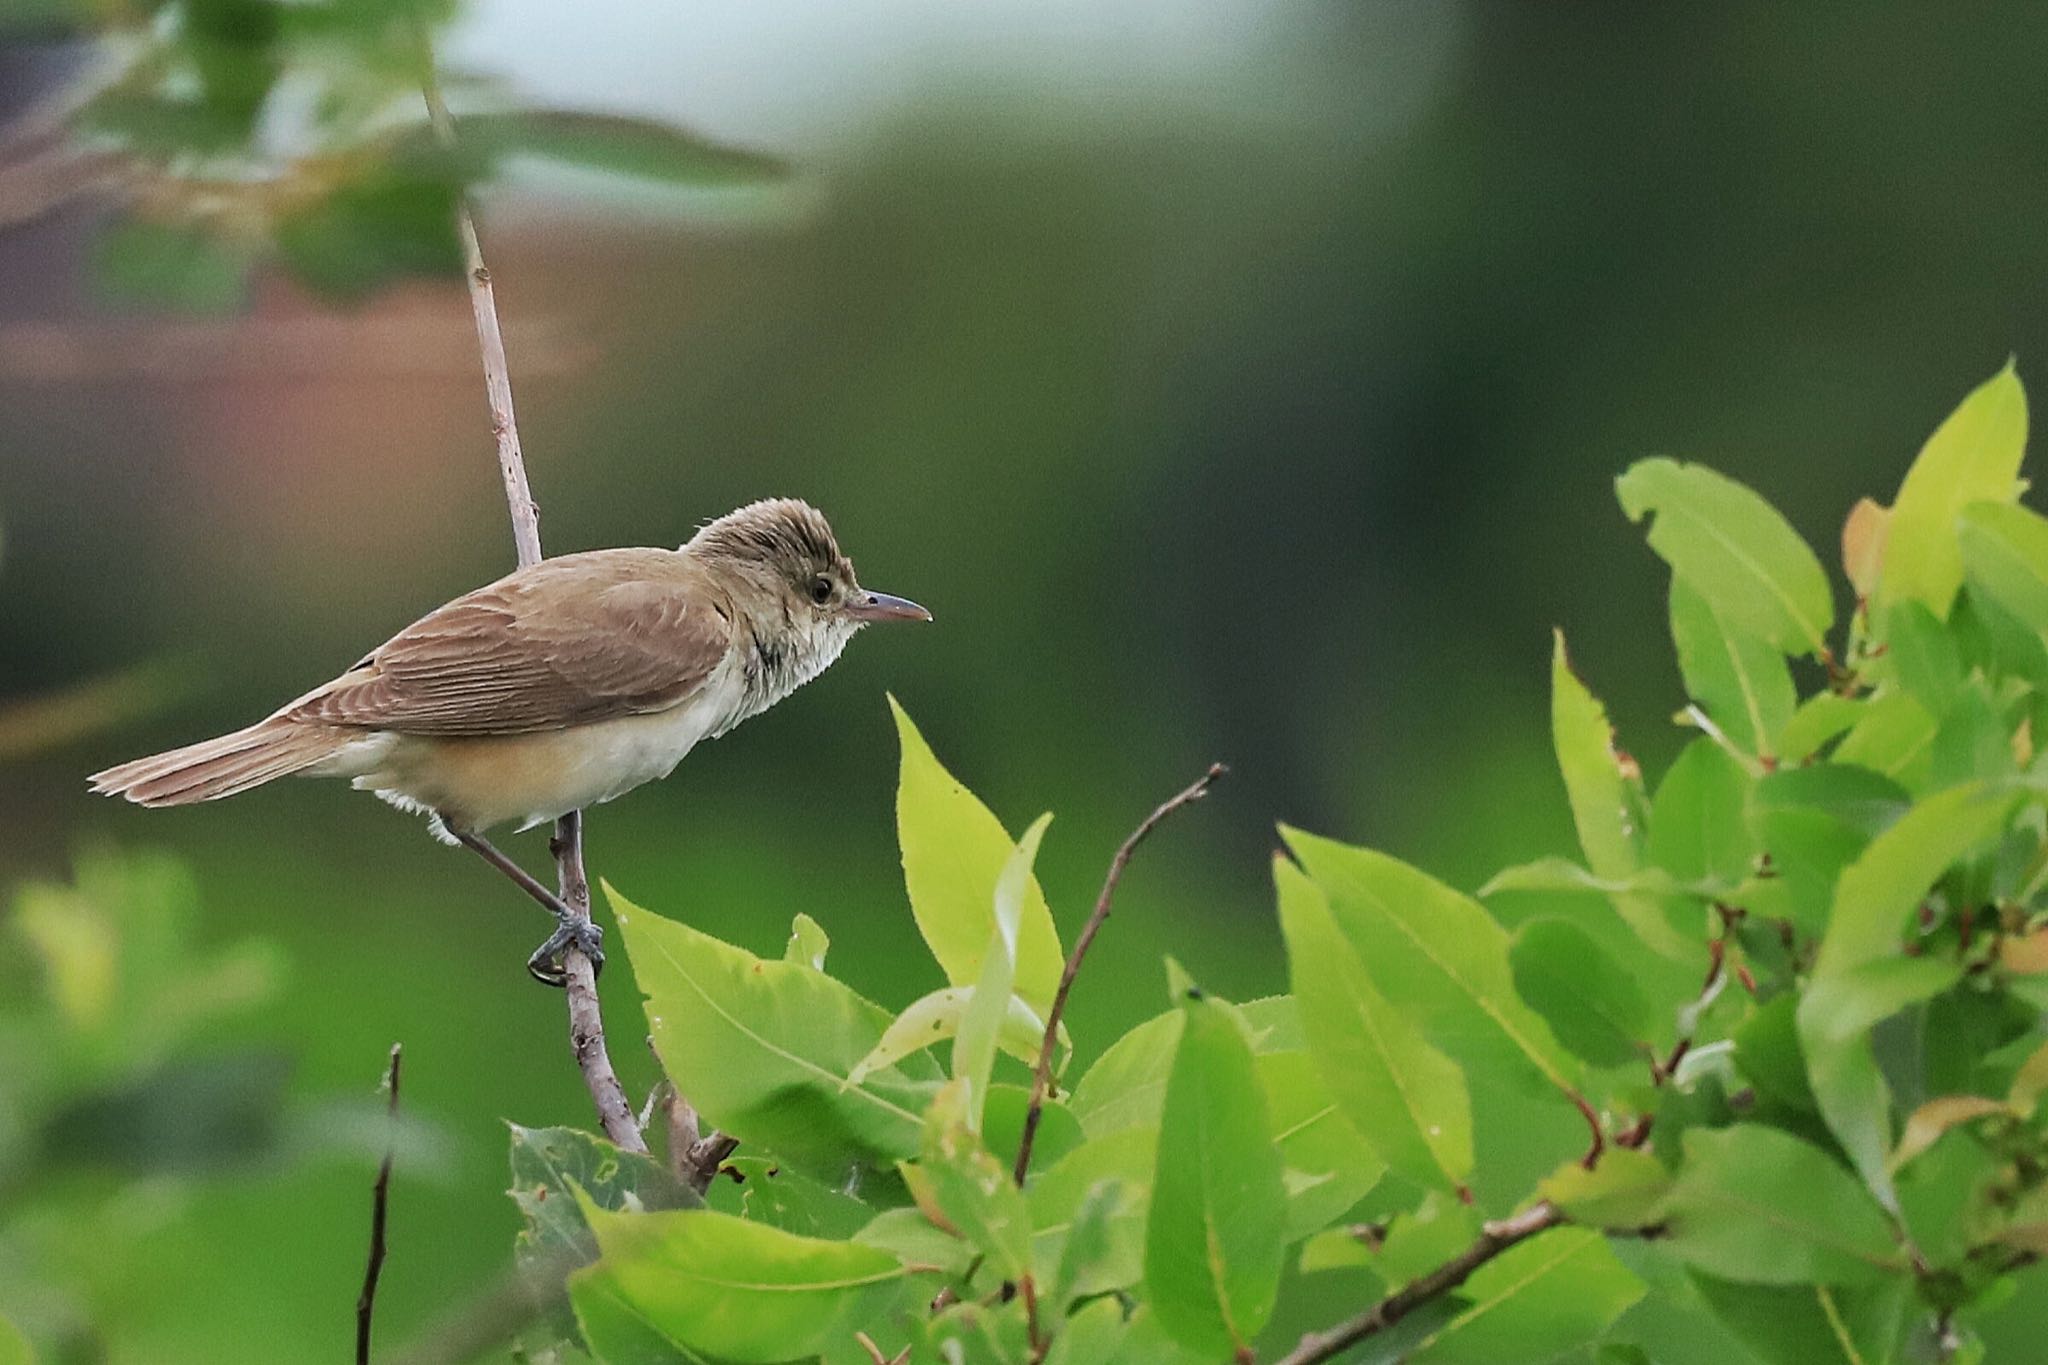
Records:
x=1759, y=1078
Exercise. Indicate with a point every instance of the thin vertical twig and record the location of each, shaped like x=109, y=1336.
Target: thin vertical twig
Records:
x=586, y=1015
x=1041, y=1080
x=380, y=1205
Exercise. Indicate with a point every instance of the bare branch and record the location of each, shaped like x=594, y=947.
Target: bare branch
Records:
x=1041, y=1081
x=586, y=1015
x=1493, y=1240
x=380, y=1203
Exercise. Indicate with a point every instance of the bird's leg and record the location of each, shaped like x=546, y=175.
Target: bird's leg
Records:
x=571, y=929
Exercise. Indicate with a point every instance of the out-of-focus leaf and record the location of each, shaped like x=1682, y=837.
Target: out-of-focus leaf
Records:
x=1437, y=955
x=2030, y=1082
x=911, y=1238
x=1814, y=821
x=1214, y=1233
x=761, y=1047
x=934, y=1018
x=374, y=230
x=1534, y=1302
x=1767, y=1054
x=1562, y=874
x=1057, y=1196
x=641, y=148
x=974, y=1051
x=181, y=266
x=723, y=1286
x=808, y=943
x=1921, y=654
x=14, y=1347
x=550, y=1168
x=1327, y=1165
x=962, y=1187
x=1811, y=1324
x=1819, y=719
x=1622, y=1192
x=1088, y=1247
x=1093, y=1336
x=1973, y=456
x=1735, y=550
x=1738, y=678
x=1820, y=1226
x=1593, y=1006
x=1835, y=1018
x=1863, y=538
x=1606, y=800
x=953, y=852
x=2005, y=551
x=763, y=1190
x=50, y=721
x=1926, y=1125
x=1894, y=736
x=1407, y=1099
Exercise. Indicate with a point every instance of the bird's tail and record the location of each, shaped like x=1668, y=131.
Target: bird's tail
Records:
x=214, y=768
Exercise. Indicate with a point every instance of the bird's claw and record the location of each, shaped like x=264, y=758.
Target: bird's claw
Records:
x=546, y=965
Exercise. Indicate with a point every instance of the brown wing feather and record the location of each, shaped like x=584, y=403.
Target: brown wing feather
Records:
x=569, y=641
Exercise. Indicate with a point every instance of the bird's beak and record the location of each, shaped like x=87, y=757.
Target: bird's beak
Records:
x=879, y=606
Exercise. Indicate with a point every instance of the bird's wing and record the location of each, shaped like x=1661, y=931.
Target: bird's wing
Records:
x=568, y=641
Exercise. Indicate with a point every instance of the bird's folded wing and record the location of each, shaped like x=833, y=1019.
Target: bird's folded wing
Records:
x=568, y=641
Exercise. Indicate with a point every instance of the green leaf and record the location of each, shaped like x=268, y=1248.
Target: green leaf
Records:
x=953, y=852
x=1328, y=1166
x=1089, y=1246
x=1423, y=1238
x=934, y=1018
x=1894, y=736
x=1536, y=1301
x=1562, y=874
x=1623, y=1192
x=1974, y=456
x=184, y=267
x=1698, y=826
x=761, y=1047
x=1819, y=719
x=1127, y=1085
x=616, y=1331
x=727, y=1287
x=960, y=1185
x=1057, y=1196
x=1921, y=654
x=1606, y=801
x=1214, y=1233
x=1767, y=1053
x=14, y=1347
x=1816, y=820
x=1436, y=955
x=1093, y=1336
x=550, y=1166
x=974, y=1052
x=1735, y=550
x=761, y=1189
x=1758, y=1205
x=2005, y=551
x=1403, y=1096
x=1811, y=1324
x=1926, y=1125
x=1835, y=1017
x=370, y=232
x=1593, y=1006
x=623, y=146
x=910, y=1237
x=807, y=944
x=1739, y=679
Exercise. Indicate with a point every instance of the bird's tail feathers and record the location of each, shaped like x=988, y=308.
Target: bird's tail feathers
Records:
x=214, y=768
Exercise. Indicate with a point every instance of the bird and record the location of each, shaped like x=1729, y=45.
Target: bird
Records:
x=566, y=683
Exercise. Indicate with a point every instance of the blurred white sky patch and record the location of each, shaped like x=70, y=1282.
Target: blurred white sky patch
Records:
x=813, y=78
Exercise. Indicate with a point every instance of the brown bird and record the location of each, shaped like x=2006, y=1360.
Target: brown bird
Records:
x=563, y=684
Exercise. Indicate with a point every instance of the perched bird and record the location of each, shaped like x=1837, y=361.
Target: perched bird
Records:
x=563, y=684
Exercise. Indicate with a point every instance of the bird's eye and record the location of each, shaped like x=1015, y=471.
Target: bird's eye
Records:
x=821, y=590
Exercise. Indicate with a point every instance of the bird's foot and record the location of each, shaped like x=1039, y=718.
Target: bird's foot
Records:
x=547, y=964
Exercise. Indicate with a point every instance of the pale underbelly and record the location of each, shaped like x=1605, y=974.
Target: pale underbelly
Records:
x=475, y=783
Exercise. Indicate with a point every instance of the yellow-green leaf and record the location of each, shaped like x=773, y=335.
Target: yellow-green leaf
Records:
x=1973, y=456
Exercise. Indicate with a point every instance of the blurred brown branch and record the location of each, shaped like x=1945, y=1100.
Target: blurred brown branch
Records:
x=380, y=1203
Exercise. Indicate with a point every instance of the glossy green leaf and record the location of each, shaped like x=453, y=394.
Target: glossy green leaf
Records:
x=1758, y=1205
x=1590, y=1002
x=1738, y=678
x=1698, y=822
x=1606, y=799
x=1622, y=1192
x=1435, y=954
x=1126, y=1086
x=1214, y=1232
x=1811, y=1324
x=1974, y=456
x=615, y=1329
x=744, y=1291
x=1551, y=1294
x=974, y=1051
x=762, y=1047
x=808, y=942
x=1836, y=1015
x=935, y=1018
x=960, y=1184
x=1735, y=550
x=953, y=852
x=1403, y=1096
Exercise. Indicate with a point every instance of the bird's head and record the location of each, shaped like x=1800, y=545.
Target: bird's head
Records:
x=784, y=551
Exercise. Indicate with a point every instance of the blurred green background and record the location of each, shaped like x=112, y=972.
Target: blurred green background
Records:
x=1238, y=382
